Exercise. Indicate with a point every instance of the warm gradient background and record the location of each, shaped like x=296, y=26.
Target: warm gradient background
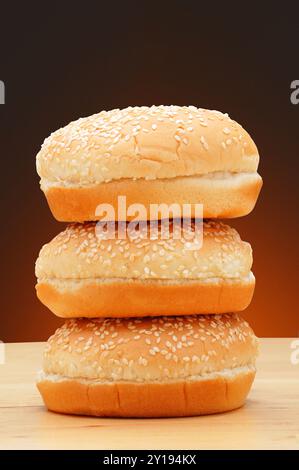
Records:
x=61, y=62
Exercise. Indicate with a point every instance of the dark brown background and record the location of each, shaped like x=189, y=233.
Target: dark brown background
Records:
x=63, y=61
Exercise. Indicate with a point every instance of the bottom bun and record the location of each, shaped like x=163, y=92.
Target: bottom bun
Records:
x=149, y=367
x=125, y=298
x=214, y=393
x=223, y=195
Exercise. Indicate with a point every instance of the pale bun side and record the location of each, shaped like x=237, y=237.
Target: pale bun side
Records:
x=146, y=142
x=153, y=400
x=95, y=366
x=231, y=196
x=133, y=297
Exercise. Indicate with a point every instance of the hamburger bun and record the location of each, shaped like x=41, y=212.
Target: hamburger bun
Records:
x=83, y=274
x=153, y=367
x=151, y=155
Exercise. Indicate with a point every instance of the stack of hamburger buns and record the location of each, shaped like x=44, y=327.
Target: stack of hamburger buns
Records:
x=152, y=325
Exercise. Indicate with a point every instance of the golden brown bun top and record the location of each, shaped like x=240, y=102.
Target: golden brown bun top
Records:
x=79, y=252
x=150, y=349
x=145, y=142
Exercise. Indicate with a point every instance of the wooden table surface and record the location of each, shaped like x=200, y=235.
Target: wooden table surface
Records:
x=269, y=420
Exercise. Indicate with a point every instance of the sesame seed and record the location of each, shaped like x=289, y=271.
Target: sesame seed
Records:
x=204, y=143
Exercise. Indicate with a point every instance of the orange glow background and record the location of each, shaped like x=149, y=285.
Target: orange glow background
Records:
x=75, y=63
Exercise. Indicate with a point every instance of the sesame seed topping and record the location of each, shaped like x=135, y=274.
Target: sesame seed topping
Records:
x=90, y=150
x=155, y=258
x=120, y=349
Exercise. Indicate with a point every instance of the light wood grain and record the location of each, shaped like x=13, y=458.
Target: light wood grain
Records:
x=270, y=419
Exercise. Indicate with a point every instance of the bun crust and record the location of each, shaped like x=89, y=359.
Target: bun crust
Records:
x=129, y=298
x=133, y=367
x=131, y=400
x=83, y=273
x=229, y=197
x=144, y=150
